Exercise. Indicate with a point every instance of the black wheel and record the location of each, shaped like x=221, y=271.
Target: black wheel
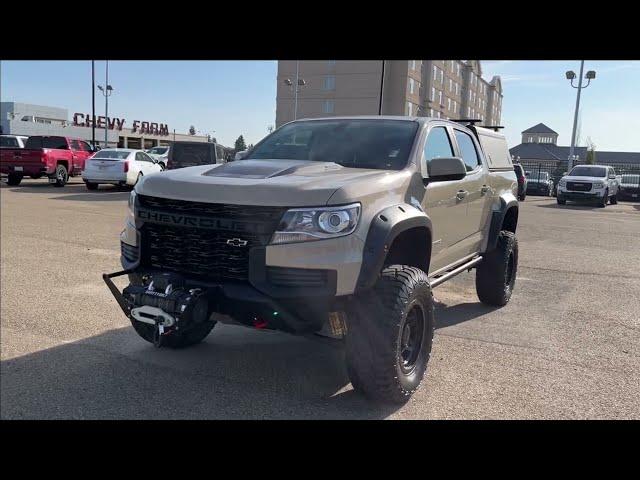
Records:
x=603, y=200
x=62, y=176
x=91, y=186
x=560, y=200
x=14, y=179
x=613, y=199
x=496, y=274
x=389, y=335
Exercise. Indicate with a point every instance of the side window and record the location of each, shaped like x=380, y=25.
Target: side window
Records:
x=467, y=150
x=140, y=157
x=85, y=146
x=437, y=144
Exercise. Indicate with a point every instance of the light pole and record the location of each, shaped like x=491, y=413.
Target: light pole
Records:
x=381, y=88
x=300, y=82
x=106, y=91
x=591, y=74
x=93, y=103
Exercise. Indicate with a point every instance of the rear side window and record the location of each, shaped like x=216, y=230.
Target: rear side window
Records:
x=8, y=142
x=47, y=142
x=438, y=144
x=190, y=154
x=467, y=150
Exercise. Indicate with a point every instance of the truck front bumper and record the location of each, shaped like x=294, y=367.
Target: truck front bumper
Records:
x=580, y=196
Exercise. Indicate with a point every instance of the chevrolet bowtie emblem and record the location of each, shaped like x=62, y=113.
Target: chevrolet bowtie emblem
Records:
x=237, y=242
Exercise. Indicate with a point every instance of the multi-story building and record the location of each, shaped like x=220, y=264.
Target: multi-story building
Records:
x=436, y=88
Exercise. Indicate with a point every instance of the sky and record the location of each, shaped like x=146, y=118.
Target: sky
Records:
x=230, y=98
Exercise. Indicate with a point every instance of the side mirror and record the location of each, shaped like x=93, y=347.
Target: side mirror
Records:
x=446, y=168
x=241, y=155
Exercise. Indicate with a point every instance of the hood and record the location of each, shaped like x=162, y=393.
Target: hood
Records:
x=569, y=178
x=290, y=183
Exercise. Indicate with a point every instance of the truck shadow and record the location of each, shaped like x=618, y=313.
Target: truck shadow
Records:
x=234, y=374
x=74, y=191
x=572, y=206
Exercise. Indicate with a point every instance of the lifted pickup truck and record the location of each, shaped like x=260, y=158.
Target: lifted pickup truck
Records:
x=338, y=226
x=57, y=158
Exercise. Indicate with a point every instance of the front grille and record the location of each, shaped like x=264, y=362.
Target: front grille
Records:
x=297, y=277
x=204, y=252
x=579, y=186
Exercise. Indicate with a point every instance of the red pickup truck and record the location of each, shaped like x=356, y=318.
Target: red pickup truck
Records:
x=58, y=158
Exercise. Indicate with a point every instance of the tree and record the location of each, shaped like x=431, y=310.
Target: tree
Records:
x=591, y=152
x=250, y=146
x=240, y=145
x=270, y=128
x=214, y=140
x=192, y=130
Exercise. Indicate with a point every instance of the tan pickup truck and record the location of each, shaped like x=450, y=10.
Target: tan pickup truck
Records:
x=339, y=226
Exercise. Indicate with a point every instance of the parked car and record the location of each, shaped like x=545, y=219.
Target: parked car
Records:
x=629, y=187
x=191, y=154
x=57, y=158
x=118, y=166
x=540, y=183
x=13, y=141
x=343, y=232
x=160, y=153
x=522, y=181
x=589, y=183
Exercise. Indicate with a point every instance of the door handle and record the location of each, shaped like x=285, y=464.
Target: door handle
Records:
x=485, y=189
x=461, y=194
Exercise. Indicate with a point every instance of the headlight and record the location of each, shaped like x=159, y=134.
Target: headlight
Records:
x=562, y=183
x=598, y=184
x=308, y=224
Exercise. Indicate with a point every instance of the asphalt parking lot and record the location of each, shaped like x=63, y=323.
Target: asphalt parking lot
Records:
x=566, y=346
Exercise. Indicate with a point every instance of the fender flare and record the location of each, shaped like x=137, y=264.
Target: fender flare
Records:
x=497, y=218
x=385, y=226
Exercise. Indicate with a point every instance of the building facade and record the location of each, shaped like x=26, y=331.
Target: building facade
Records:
x=27, y=119
x=435, y=88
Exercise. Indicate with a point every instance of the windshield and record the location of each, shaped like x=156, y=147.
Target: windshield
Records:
x=381, y=144
x=158, y=150
x=112, y=155
x=584, y=171
x=543, y=176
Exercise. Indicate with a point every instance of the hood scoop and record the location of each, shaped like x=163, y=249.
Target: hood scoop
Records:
x=260, y=169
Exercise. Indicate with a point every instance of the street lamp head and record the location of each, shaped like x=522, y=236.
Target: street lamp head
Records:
x=301, y=82
x=591, y=74
x=109, y=87
x=100, y=88
x=570, y=75
x=287, y=81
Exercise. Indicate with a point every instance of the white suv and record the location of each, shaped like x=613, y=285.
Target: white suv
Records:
x=591, y=183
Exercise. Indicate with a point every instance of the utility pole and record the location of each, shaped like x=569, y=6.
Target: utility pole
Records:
x=93, y=103
x=591, y=74
x=381, y=89
x=295, y=109
x=106, y=91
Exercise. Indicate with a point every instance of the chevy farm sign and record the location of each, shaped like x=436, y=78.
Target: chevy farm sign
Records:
x=151, y=128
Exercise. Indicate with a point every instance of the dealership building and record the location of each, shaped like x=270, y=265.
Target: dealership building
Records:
x=27, y=119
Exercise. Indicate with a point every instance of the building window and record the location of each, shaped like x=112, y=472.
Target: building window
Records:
x=469, y=112
x=329, y=82
x=327, y=106
x=441, y=76
x=440, y=98
x=435, y=73
x=448, y=103
x=412, y=85
x=410, y=109
x=413, y=65
x=433, y=94
x=458, y=69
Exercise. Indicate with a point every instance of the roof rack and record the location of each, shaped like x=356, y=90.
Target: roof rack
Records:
x=472, y=121
x=495, y=128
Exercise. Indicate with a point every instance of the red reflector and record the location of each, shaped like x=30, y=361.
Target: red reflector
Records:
x=126, y=166
x=259, y=323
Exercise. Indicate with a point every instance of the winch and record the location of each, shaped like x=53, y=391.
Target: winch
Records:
x=167, y=304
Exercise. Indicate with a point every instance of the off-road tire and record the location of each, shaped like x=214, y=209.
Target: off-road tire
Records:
x=378, y=336
x=91, y=186
x=61, y=176
x=14, y=179
x=496, y=273
x=613, y=200
x=560, y=200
